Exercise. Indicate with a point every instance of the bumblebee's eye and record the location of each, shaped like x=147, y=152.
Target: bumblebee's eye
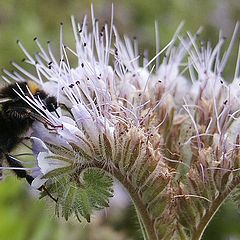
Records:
x=41, y=94
x=51, y=103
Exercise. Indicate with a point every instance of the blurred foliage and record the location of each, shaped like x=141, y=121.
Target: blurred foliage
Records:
x=25, y=19
x=22, y=217
x=225, y=224
x=25, y=218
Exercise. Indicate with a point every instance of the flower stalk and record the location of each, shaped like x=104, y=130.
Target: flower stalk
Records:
x=145, y=220
x=198, y=234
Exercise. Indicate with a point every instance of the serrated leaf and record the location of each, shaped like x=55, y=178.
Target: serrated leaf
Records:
x=81, y=196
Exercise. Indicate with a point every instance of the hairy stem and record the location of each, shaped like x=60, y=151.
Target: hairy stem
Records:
x=141, y=225
x=145, y=221
x=213, y=209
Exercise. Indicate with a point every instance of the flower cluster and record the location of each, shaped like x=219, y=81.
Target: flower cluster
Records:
x=168, y=132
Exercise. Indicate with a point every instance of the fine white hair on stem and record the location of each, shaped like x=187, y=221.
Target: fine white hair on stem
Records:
x=186, y=107
x=197, y=136
x=176, y=161
x=192, y=196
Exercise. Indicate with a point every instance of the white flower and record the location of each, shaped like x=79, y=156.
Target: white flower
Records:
x=106, y=98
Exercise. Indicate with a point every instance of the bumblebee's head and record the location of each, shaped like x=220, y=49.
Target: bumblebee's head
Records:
x=33, y=87
x=50, y=102
x=36, y=90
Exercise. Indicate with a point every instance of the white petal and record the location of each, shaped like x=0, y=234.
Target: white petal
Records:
x=48, y=164
x=41, y=132
x=38, y=146
x=38, y=182
x=84, y=120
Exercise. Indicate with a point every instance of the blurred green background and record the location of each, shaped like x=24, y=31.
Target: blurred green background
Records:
x=22, y=217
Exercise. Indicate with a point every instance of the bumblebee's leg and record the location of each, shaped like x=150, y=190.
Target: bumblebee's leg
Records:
x=22, y=173
x=16, y=165
x=43, y=188
x=1, y=161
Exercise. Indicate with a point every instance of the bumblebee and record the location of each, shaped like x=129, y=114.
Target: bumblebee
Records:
x=17, y=117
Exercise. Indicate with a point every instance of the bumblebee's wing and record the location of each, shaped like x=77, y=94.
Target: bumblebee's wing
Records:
x=5, y=99
x=24, y=113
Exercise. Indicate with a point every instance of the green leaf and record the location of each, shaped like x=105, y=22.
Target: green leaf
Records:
x=83, y=193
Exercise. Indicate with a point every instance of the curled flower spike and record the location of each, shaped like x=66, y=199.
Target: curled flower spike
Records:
x=167, y=130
